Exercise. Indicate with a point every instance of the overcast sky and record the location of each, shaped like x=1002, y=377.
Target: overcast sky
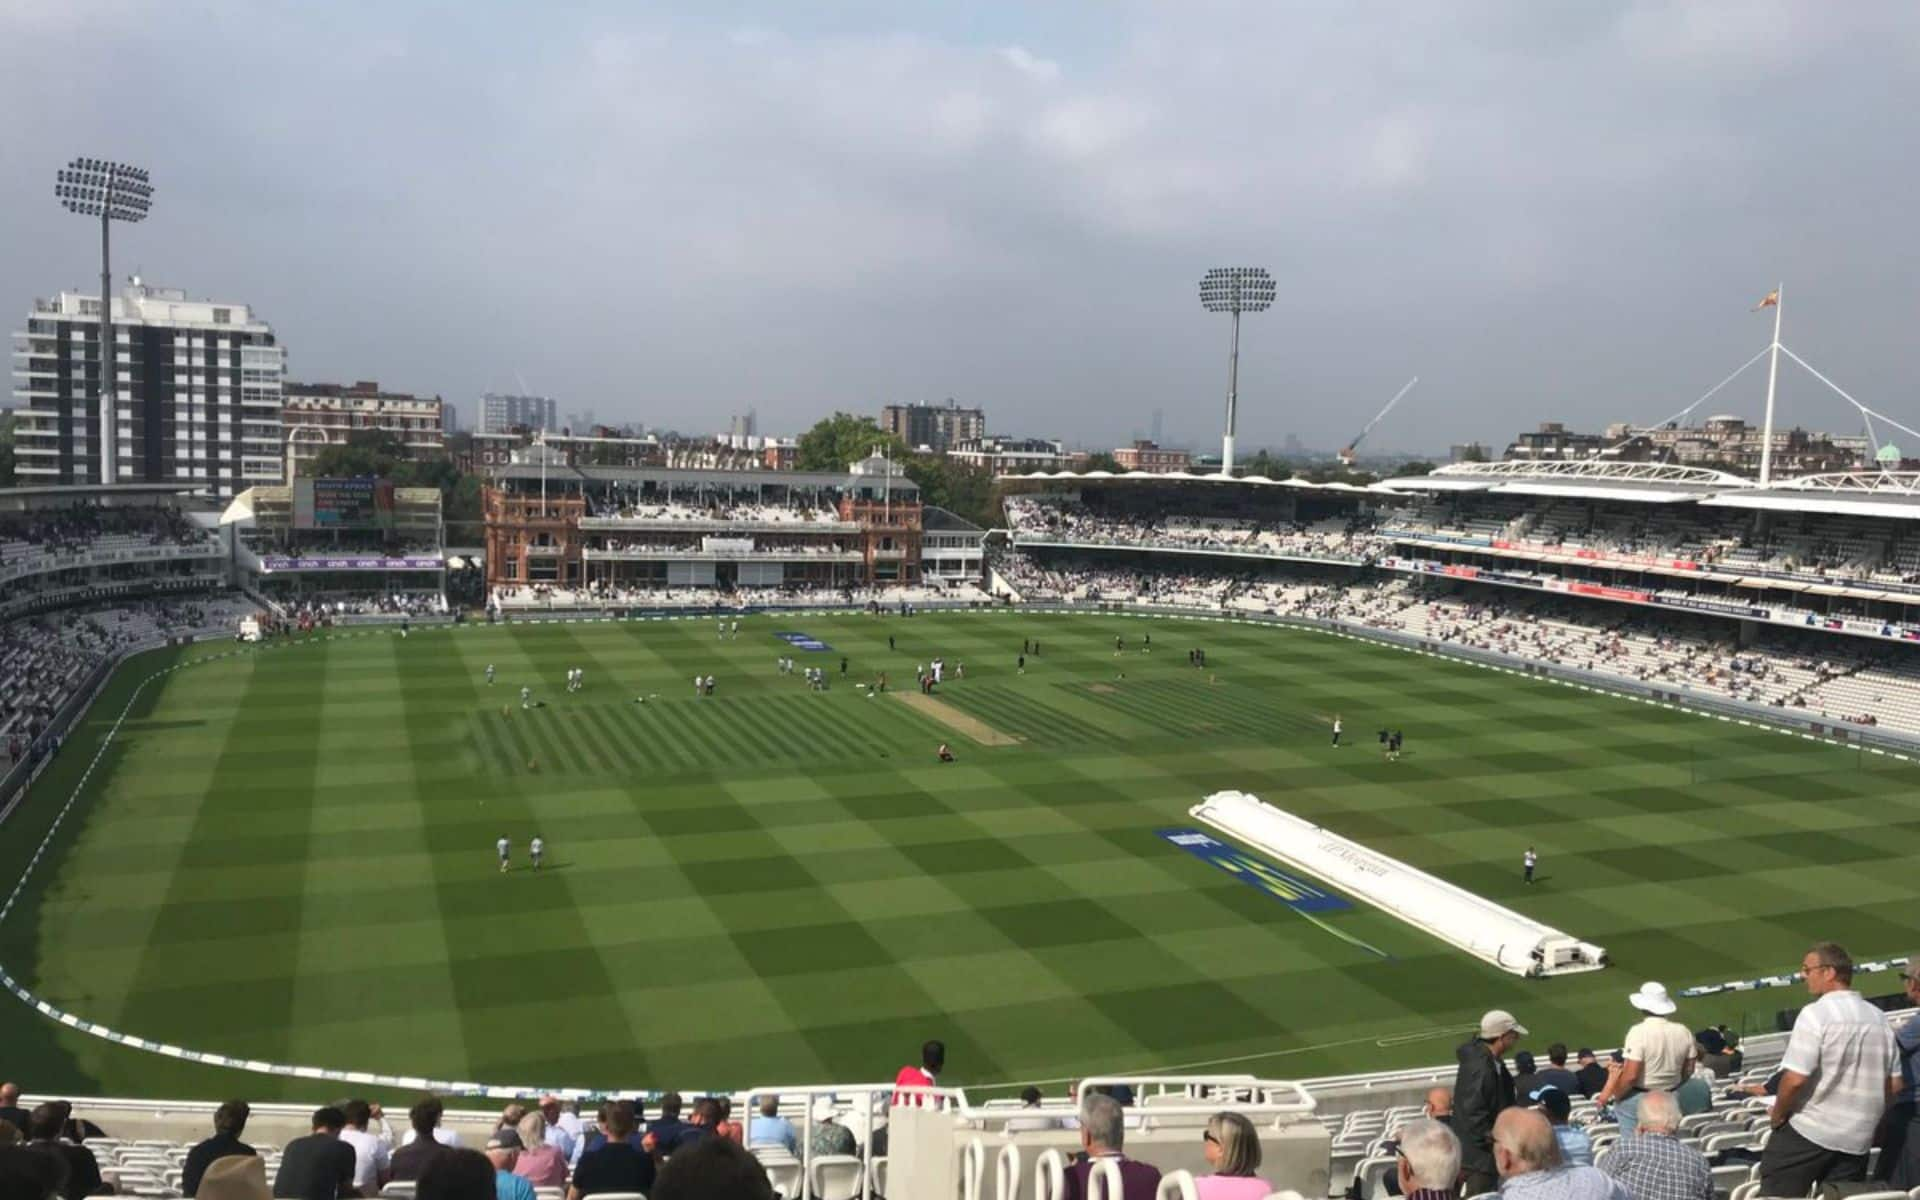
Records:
x=671, y=212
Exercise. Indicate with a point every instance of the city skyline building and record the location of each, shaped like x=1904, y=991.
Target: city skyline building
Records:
x=501, y=412
x=196, y=392
x=939, y=427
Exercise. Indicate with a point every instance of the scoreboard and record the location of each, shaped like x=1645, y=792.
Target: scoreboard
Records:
x=365, y=502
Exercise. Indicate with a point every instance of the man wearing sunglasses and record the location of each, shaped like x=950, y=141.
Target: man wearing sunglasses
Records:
x=1838, y=1074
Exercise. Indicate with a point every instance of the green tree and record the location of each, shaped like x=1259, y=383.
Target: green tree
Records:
x=1265, y=463
x=1412, y=468
x=6, y=449
x=1475, y=453
x=843, y=438
x=1101, y=461
x=365, y=452
x=962, y=490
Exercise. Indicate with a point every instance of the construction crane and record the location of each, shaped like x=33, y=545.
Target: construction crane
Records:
x=1346, y=456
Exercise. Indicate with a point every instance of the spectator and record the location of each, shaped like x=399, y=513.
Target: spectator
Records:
x=1528, y=1160
x=235, y=1177
x=1899, y=1149
x=1659, y=1053
x=409, y=1162
x=1576, y=1148
x=1555, y=1074
x=510, y=1117
x=726, y=1126
x=1838, y=1073
x=1694, y=1095
x=1439, y=1105
x=668, y=1130
x=616, y=1164
x=1103, y=1132
x=9, y=1136
x=1482, y=1086
x=229, y=1122
x=1429, y=1166
x=714, y=1169
x=1232, y=1148
x=563, y=1117
x=27, y=1174
x=541, y=1162
x=446, y=1137
x=1526, y=1080
x=769, y=1128
x=640, y=1141
x=1716, y=1055
x=372, y=1152
x=319, y=1166
x=44, y=1126
x=1652, y=1163
x=829, y=1135
x=1592, y=1076
x=455, y=1174
x=933, y=1060
x=10, y=1110
x=503, y=1151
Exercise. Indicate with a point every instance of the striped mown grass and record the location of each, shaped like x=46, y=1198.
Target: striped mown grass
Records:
x=288, y=854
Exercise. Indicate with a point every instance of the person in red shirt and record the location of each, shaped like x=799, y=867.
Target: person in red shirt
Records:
x=933, y=1057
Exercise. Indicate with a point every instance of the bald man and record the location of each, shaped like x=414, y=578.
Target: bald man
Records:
x=1527, y=1155
x=10, y=1110
x=1439, y=1103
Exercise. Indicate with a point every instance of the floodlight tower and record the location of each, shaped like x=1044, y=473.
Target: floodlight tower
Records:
x=112, y=191
x=1235, y=290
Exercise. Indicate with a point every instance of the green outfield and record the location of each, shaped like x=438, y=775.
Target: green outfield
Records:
x=288, y=854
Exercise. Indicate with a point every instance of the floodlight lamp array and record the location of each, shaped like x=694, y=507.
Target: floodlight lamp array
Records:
x=94, y=186
x=1237, y=289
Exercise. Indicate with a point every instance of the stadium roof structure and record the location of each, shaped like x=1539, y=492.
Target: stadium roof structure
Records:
x=1580, y=479
x=1183, y=477
x=1894, y=494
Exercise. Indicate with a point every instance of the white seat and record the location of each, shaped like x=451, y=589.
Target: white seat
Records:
x=783, y=1169
x=836, y=1177
x=1371, y=1175
x=877, y=1176
x=398, y=1190
x=1176, y=1185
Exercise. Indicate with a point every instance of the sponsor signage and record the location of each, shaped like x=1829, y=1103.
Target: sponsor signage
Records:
x=1290, y=890
x=270, y=563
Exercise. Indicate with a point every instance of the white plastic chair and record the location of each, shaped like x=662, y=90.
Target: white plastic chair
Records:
x=836, y=1177
x=1006, y=1173
x=783, y=1170
x=1176, y=1185
x=1104, y=1181
x=973, y=1170
x=1049, y=1176
x=1745, y=1191
x=1371, y=1175
x=877, y=1176
x=398, y=1190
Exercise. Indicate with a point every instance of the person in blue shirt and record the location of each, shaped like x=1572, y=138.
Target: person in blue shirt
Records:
x=769, y=1128
x=503, y=1150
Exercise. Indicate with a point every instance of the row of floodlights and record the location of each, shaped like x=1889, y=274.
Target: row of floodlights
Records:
x=92, y=186
x=1236, y=289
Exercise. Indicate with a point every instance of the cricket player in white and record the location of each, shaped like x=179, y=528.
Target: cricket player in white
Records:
x=526, y=697
x=537, y=848
x=489, y=674
x=1528, y=862
x=505, y=848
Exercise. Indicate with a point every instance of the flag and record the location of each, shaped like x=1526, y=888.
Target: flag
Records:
x=1770, y=300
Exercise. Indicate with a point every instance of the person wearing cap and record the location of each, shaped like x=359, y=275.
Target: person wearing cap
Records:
x=234, y=1177
x=1576, y=1148
x=1482, y=1086
x=1840, y=1070
x=503, y=1151
x=1899, y=1148
x=1652, y=1163
x=829, y=1136
x=1591, y=1074
x=1659, y=1054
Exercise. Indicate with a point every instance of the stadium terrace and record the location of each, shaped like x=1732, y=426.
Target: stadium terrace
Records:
x=912, y=879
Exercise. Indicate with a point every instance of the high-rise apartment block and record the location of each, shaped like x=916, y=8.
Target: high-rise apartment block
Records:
x=939, y=427
x=196, y=389
x=501, y=413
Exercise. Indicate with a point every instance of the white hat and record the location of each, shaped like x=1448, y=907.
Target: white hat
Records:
x=1499, y=1022
x=823, y=1108
x=1652, y=998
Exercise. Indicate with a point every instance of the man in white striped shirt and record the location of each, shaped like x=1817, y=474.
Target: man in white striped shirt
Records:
x=1839, y=1072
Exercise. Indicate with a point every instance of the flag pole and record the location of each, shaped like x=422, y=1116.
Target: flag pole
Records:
x=1773, y=374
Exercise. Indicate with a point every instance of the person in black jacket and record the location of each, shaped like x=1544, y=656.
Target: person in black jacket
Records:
x=229, y=1122
x=1481, y=1089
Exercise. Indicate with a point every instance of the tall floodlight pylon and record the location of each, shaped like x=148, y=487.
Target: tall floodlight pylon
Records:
x=1235, y=290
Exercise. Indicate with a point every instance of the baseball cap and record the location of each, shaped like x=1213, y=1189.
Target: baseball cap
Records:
x=1554, y=1102
x=1499, y=1022
x=505, y=1139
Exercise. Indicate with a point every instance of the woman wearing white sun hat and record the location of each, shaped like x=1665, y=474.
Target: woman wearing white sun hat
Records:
x=1660, y=1054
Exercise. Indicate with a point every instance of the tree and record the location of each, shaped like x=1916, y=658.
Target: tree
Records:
x=840, y=440
x=1264, y=463
x=1102, y=461
x=365, y=452
x=1475, y=453
x=1412, y=468
x=963, y=490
